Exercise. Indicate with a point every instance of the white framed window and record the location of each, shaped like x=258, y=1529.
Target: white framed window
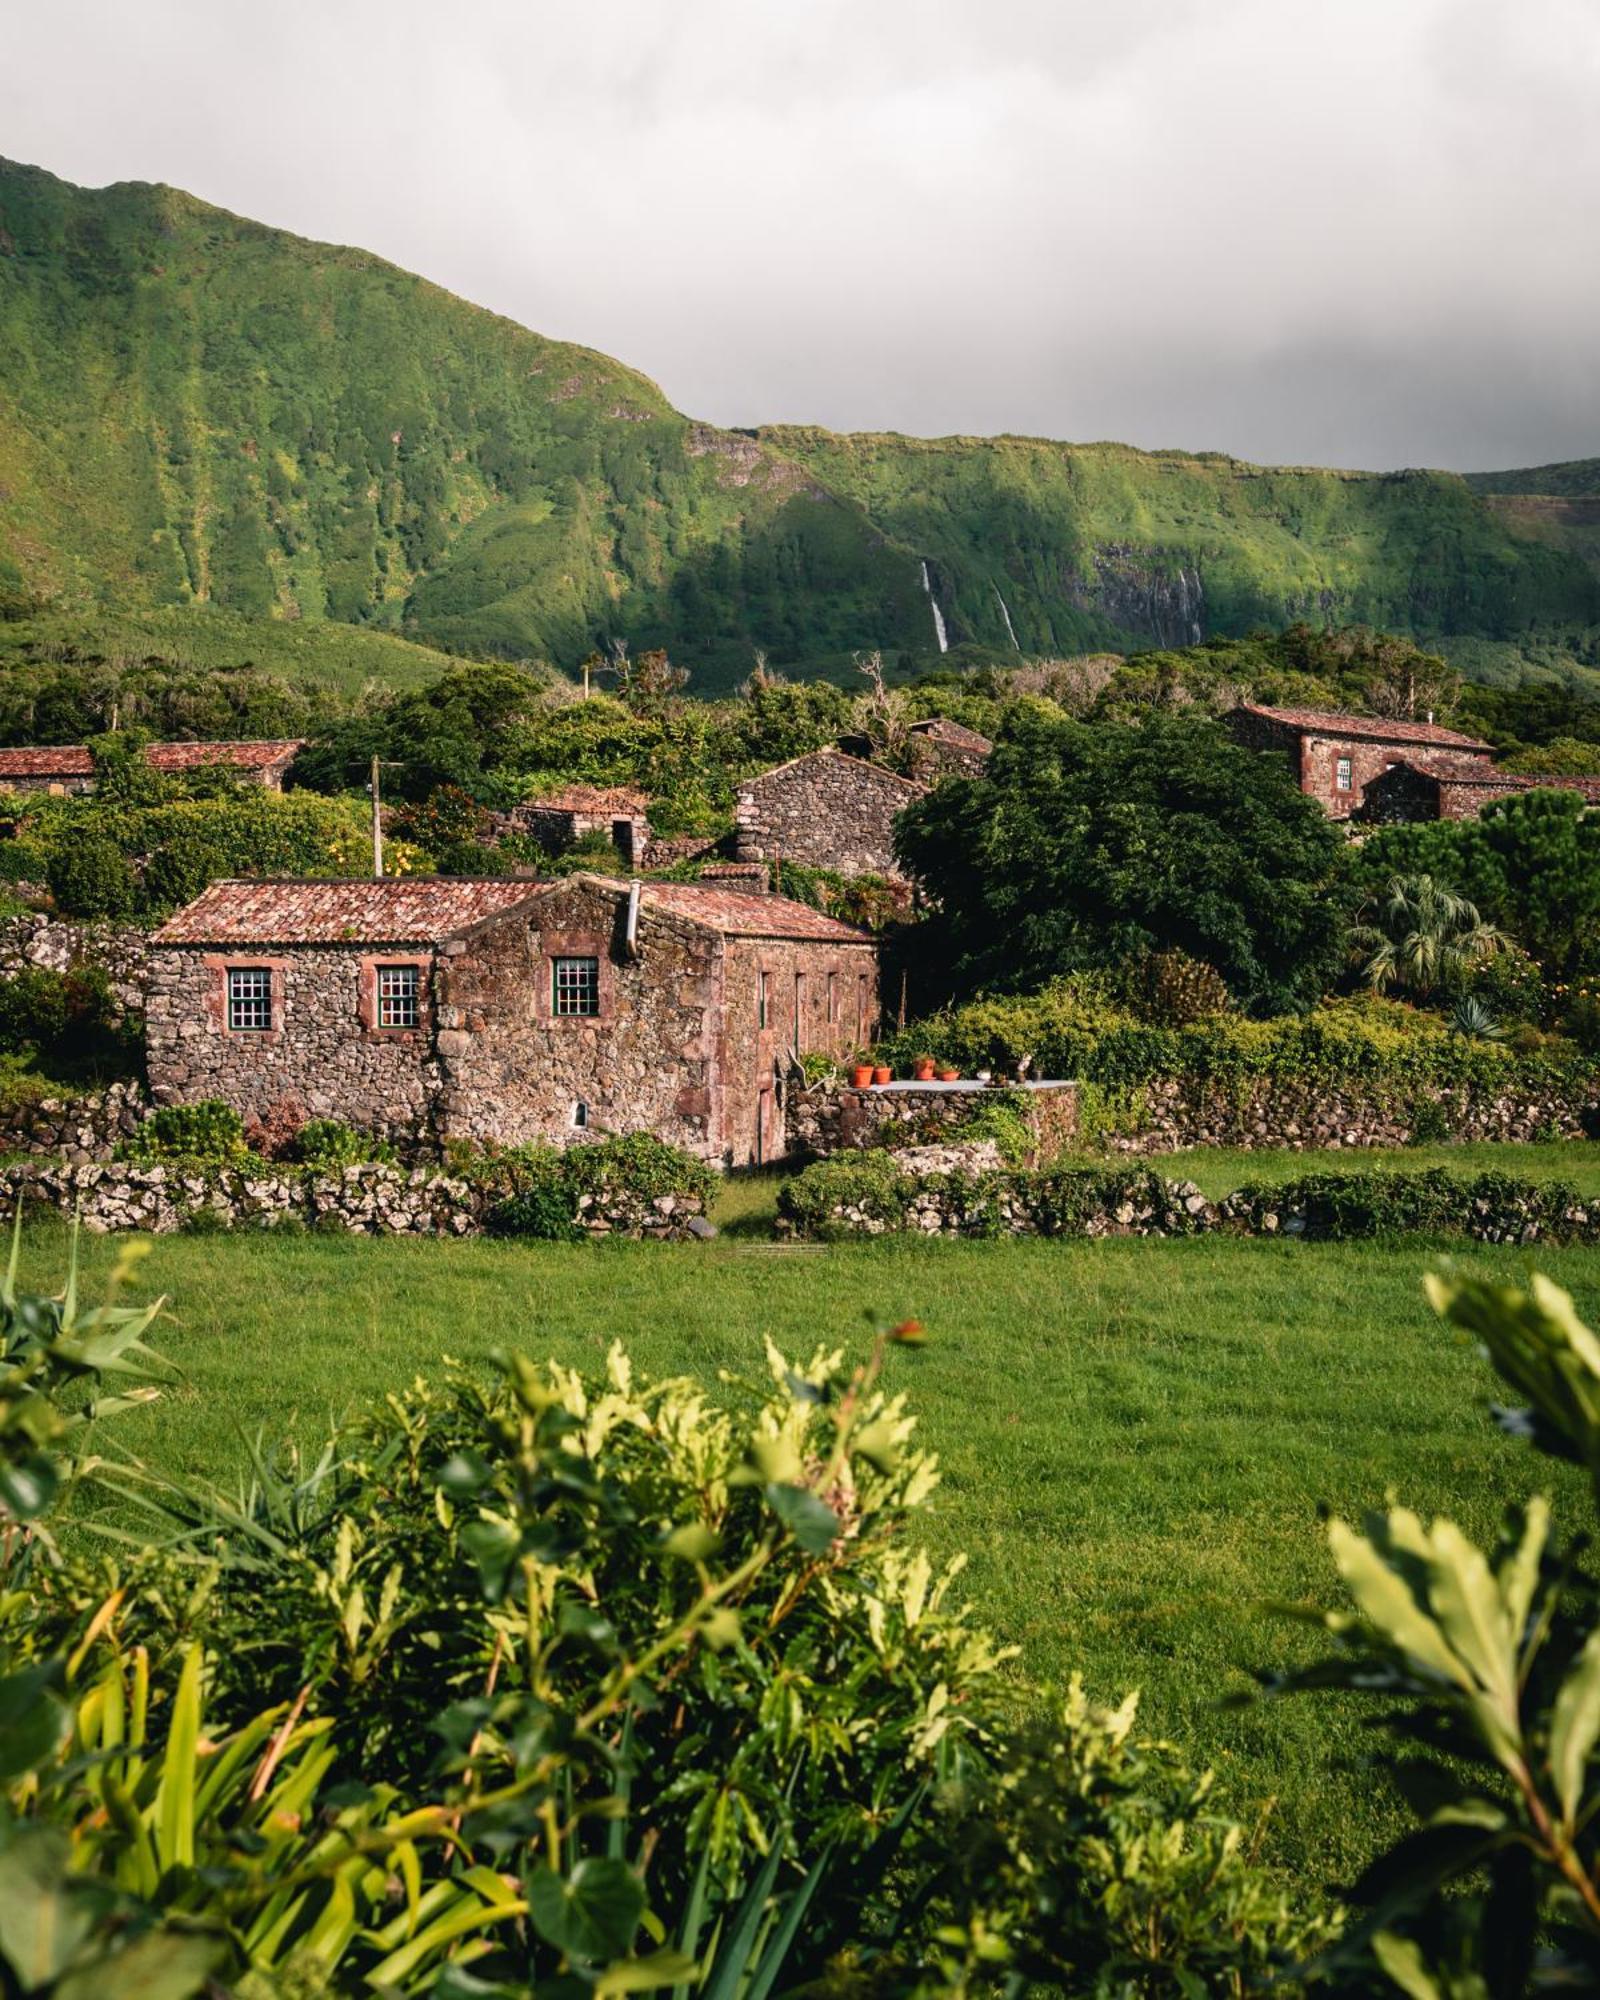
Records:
x=575, y=985
x=399, y=996
x=249, y=999
x=1343, y=775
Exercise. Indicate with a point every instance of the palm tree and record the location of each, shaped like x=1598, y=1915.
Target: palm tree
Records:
x=1422, y=938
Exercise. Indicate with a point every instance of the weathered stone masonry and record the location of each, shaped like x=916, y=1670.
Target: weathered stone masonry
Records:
x=825, y=810
x=694, y=997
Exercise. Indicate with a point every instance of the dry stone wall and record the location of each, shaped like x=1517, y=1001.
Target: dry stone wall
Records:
x=364, y=1201
x=122, y=950
x=75, y=1129
x=836, y=1118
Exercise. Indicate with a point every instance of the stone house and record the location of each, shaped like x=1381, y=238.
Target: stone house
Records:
x=67, y=769
x=498, y=1010
x=560, y=819
x=1336, y=757
x=1449, y=788
x=824, y=810
x=951, y=749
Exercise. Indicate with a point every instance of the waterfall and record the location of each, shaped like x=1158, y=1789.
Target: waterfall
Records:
x=1191, y=623
x=938, y=616
x=1011, y=630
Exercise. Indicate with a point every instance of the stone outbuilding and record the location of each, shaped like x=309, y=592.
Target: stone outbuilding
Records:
x=1336, y=757
x=559, y=820
x=1447, y=788
x=824, y=810
x=951, y=749
x=497, y=1010
x=68, y=769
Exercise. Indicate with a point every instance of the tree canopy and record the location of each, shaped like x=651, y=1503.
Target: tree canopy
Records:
x=1081, y=846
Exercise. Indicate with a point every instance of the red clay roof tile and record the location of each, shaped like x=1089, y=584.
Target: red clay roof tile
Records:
x=401, y=909
x=1378, y=728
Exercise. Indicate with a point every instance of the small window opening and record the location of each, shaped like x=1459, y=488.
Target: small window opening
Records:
x=575, y=985
x=249, y=999
x=580, y=1116
x=398, y=997
x=761, y=1000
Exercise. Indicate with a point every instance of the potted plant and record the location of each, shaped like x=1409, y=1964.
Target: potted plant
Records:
x=881, y=1075
x=922, y=1069
x=861, y=1074
x=948, y=1074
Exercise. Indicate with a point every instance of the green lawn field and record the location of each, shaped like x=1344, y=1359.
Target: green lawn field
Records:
x=1137, y=1437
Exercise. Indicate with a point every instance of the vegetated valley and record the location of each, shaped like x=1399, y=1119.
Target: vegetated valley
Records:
x=197, y=411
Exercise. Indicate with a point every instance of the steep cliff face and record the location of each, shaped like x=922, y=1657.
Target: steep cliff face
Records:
x=196, y=410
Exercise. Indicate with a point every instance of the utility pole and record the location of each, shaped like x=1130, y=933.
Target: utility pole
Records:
x=377, y=824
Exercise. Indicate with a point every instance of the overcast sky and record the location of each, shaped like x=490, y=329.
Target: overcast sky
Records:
x=1348, y=232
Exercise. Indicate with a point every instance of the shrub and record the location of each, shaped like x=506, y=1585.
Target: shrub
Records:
x=541, y=1186
x=90, y=877
x=34, y=1009
x=209, y=1131
x=23, y=861
x=329, y=1145
x=180, y=868
x=1173, y=989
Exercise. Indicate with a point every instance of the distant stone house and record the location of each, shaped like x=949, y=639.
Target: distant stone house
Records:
x=68, y=769
x=824, y=810
x=498, y=1010
x=1335, y=758
x=1448, y=788
x=559, y=819
x=952, y=749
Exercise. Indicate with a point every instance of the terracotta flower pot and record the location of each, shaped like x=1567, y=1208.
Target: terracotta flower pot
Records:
x=922, y=1069
x=882, y=1075
x=948, y=1075
x=861, y=1075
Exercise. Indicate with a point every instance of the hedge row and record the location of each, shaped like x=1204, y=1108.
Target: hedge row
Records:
x=870, y=1194
x=1382, y=1047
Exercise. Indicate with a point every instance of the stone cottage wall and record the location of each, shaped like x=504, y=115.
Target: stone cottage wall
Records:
x=511, y=1070
x=321, y=1059
x=821, y=998
x=824, y=811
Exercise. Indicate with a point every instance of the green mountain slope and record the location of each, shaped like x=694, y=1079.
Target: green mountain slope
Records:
x=197, y=411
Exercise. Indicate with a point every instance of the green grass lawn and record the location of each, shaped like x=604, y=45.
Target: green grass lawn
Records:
x=1137, y=1437
x=1218, y=1170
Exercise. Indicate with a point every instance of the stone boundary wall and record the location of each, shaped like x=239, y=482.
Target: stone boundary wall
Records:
x=76, y=1129
x=1172, y=1114
x=837, y=1118
x=34, y=938
x=960, y=1203
x=365, y=1201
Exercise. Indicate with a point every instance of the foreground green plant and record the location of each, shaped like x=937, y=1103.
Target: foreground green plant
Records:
x=1489, y=1666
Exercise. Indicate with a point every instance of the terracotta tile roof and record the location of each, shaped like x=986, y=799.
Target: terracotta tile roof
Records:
x=402, y=909
x=1378, y=728
x=945, y=729
x=622, y=800
x=50, y=760
x=73, y=760
x=240, y=756
x=909, y=785
x=736, y=913
x=1449, y=770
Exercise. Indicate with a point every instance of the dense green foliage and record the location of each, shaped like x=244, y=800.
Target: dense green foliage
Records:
x=201, y=412
x=1081, y=846
x=1489, y=1663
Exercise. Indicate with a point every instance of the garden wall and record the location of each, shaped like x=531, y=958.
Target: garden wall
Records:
x=1173, y=1112
x=871, y=1196
x=366, y=1200
x=833, y=1118
x=34, y=938
x=75, y=1129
